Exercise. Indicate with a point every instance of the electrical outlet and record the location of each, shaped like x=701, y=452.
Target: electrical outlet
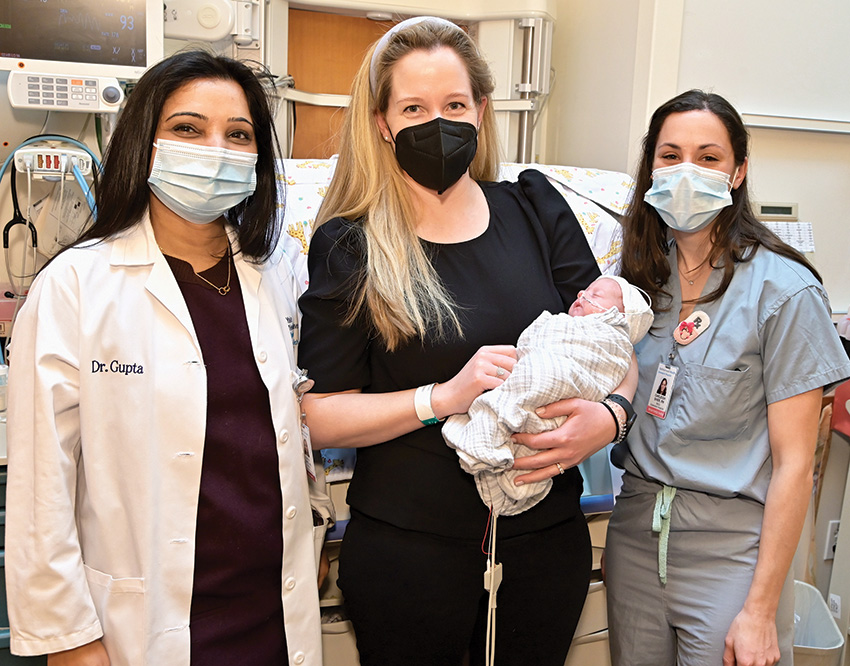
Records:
x=831, y=539
x=835, y=605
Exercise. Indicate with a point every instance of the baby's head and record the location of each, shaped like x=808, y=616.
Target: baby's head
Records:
x=601, y=295
x=612, y=291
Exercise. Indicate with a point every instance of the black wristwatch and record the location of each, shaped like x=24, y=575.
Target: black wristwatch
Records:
x=623, y=427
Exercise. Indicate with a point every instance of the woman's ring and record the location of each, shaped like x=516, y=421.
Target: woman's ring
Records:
x=560, y=469
x=500, y=371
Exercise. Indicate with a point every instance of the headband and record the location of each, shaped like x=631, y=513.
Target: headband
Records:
x=382, y=43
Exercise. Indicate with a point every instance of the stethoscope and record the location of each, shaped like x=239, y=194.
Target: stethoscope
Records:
x=18, y=218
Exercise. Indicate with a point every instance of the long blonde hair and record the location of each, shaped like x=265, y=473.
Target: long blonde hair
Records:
x=399, y=287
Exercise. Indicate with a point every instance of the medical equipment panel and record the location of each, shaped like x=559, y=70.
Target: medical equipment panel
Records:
x=47, y=161
x=213, y=20
x=81, y=38
x=91, y=94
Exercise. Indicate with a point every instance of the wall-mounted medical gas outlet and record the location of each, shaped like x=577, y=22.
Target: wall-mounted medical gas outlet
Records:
x=92, y=94
x=213, y=20
x=45, y=161
x=831, y=539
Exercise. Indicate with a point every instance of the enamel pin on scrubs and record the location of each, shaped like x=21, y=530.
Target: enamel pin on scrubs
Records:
x=686, y=332
x=690, y=329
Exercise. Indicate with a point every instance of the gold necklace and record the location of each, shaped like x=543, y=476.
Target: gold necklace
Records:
x=221, y=290
x=226, y=288
x=687, y=270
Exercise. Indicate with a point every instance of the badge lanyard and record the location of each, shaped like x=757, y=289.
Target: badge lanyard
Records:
x=688, y=330
x=301, y=385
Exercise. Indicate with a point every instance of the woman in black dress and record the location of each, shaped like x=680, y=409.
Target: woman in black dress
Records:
x=423, y=272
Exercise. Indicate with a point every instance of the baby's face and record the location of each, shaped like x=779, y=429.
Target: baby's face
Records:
x=602, y=294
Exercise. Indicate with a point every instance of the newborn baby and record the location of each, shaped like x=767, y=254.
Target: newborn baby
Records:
x=583, y=353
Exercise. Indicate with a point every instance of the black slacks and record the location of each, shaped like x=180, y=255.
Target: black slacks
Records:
x=419, y=599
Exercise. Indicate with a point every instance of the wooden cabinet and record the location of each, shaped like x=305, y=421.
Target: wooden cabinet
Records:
x=324, y=53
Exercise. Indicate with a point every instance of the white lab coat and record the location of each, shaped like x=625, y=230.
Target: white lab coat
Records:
x=106, y=422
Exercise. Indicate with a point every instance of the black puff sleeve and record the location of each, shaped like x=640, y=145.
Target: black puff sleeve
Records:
x=335, y=356
x=572, y=262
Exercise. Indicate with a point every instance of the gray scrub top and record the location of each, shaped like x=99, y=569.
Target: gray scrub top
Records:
x=771, y=337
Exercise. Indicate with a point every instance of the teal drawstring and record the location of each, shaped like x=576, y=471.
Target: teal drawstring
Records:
x=661, y=524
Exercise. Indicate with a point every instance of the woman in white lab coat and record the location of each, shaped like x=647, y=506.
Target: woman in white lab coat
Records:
x=159, y=509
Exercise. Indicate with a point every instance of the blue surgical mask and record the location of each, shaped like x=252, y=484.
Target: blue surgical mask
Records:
x=688, y=197
x=201, y=183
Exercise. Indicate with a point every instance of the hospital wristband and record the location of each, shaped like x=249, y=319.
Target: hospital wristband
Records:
x=422, y=404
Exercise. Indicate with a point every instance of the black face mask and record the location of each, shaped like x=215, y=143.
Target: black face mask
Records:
x=437, y=153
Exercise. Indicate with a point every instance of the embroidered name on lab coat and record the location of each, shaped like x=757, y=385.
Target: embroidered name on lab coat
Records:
x=117, y=367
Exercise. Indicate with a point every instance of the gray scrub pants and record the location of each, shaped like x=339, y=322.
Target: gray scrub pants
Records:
x=711, y=556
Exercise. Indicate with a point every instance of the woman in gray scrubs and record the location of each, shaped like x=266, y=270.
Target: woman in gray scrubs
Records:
x=718, y=468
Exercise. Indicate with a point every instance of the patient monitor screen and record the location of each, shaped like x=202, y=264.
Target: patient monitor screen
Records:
x=99, y=32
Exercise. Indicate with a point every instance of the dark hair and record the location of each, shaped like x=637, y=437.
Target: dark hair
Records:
x=736, y=233
x=122, y=194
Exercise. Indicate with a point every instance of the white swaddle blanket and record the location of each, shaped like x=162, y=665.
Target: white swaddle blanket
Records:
x=559, y=357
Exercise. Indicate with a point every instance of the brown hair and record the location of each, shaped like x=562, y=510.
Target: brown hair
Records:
x=736, y=233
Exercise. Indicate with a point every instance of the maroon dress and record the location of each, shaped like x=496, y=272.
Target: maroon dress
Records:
x=237, y=613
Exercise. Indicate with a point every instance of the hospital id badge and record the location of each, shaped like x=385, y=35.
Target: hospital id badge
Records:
x=308, y=451
x=662, y=390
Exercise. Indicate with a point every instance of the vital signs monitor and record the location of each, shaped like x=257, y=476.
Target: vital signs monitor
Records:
x=68, y=55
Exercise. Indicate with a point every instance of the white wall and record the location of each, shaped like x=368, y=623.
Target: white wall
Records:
x=812, y=169
x=777, y=57
x=617, y=60
x=593, y=55
x=785, y=62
